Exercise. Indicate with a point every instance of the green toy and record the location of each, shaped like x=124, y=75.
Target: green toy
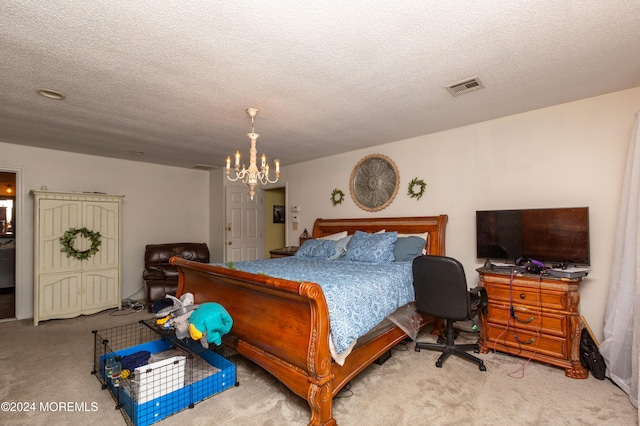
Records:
x=209, y=323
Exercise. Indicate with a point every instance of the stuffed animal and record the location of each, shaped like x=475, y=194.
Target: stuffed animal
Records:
x=209, y=323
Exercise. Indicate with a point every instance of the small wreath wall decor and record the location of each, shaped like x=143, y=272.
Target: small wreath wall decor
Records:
x=413, y=188
x=337, y=197
x=67, y=241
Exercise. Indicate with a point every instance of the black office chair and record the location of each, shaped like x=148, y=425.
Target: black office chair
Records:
x=441, y=291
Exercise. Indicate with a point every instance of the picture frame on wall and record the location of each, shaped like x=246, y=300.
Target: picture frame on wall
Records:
x=278, y=214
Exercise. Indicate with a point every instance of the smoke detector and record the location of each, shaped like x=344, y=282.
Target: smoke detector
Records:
x=465, y=86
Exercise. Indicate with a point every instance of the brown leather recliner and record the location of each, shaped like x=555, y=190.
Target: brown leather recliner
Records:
x=161, y=278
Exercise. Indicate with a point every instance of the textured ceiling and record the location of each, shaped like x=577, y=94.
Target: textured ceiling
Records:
x=173, y=78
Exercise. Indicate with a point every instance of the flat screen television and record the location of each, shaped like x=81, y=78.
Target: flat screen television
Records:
x=556, y=235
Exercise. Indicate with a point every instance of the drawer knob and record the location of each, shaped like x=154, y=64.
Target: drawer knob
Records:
x=522, y=321
x=531, y=340
x=522, y=296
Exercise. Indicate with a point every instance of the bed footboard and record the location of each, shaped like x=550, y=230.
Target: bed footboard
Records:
x=281, y=325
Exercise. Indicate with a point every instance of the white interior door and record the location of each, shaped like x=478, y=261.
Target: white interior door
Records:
x=244, y=223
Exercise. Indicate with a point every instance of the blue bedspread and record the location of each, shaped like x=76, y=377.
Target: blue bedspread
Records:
x=359, y=295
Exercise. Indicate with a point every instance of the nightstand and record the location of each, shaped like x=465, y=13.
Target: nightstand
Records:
x=283, y=252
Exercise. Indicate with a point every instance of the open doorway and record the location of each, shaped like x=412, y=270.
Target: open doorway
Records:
x=275, y=224
x=7, y=245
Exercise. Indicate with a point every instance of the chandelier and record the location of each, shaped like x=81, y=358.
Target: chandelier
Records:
x=252, y=175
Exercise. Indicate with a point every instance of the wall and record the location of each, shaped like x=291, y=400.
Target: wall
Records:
x=567, y=155
x=563, y=156
x=161, y=204
x=217, y=229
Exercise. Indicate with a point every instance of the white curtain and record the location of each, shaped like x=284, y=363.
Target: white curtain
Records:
x=620, y=347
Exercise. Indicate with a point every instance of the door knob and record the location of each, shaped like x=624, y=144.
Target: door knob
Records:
x=229, y=243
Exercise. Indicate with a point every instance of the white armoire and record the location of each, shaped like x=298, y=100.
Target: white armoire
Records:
x=65, y=287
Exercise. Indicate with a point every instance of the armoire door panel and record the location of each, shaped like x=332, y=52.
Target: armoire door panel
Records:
x=56, y=217
x=60, y=295
x=103, y=217
x=100, y=288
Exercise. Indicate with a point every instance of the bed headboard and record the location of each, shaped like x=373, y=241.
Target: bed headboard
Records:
x=434, y=225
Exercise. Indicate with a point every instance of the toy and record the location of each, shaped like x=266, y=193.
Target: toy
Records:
x=113, y=369
x=177, y=314
x=209, y=323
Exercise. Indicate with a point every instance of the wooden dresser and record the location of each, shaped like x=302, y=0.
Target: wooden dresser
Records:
x=533, y=317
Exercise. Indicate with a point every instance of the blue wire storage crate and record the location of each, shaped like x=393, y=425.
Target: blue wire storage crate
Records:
x=155, y=391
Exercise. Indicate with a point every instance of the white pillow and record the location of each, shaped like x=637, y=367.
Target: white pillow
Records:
x=424, y=236
x=334, y=237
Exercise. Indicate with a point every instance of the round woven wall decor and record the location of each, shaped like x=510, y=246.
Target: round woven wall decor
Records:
x=374, y=182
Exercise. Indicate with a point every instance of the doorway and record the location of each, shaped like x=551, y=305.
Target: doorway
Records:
x=244, y=224
x=7, y=245
x=254, y=227
x=275, y=215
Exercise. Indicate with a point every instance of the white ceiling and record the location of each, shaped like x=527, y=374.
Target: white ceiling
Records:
x=173, y=78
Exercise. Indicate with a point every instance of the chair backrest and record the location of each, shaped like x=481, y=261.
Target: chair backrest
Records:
x=441, y=287
x=156, y=256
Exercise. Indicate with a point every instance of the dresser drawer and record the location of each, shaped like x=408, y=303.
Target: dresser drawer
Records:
x=527, y=296
x=519, y=339
x=528, y=319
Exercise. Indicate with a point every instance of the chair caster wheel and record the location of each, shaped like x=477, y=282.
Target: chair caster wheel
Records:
x=476, y=351
x=482, y=367
x=438, y=364
x=440, y=340
x=417, y=349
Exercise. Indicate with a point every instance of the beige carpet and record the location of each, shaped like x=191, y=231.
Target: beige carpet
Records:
x=52, y=363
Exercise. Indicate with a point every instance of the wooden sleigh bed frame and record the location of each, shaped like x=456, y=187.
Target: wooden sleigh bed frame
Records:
x=283, y=326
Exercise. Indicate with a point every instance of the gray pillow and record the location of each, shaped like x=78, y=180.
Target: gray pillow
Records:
x=408, y=248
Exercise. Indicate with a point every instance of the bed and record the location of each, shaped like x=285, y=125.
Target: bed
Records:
x=283, y=325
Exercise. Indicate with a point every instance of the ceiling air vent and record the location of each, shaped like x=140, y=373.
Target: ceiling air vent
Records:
x=206, y=167
x=465, y=86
